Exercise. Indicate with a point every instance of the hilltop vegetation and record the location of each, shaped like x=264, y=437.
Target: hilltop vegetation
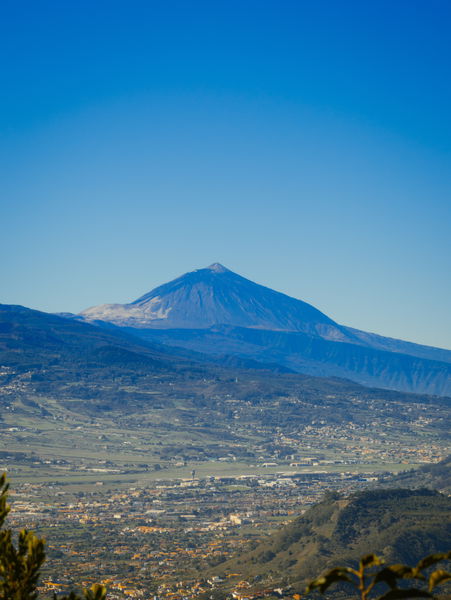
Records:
x=399, y=525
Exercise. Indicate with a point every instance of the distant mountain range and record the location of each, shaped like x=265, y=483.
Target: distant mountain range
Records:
x=216, y=312
x=92, y=369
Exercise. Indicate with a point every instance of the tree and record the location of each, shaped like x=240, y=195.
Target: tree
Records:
x=20, y=564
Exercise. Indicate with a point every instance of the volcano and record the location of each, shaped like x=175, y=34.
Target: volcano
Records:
x=216, y=311
x=214, y=296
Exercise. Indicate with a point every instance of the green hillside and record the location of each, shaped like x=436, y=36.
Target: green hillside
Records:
x=433, y=476
x=399, y=525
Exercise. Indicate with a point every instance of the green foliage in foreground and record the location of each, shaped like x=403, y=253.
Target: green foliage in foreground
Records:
x=399, y=525
x=20, y=563
x=372, y=572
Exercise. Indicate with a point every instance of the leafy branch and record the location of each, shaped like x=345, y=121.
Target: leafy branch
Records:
x=372, y=572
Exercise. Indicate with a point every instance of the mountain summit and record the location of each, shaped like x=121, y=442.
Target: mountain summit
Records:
x=214, y=296
x=218, y=268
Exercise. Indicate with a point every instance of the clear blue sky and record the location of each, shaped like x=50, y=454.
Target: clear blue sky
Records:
x=305, y=145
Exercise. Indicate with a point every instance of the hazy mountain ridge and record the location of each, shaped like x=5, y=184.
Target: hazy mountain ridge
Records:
x=34, y=339
x=216, y=312
x=312, y=355
x=381, y=342
x=59, y=351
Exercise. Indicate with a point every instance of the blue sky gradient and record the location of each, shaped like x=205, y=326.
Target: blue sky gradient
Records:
x=305, y=145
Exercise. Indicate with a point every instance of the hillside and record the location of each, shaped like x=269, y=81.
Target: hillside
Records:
x=313, y=355
x=399, y=525
x=38, y=340
x=434, y=476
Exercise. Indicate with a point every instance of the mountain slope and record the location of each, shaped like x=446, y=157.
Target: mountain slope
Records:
x=313, y=355
x=34, y=339
x=380, y=342
x=399, y=525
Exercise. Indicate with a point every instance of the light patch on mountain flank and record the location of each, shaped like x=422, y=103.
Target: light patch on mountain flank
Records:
x=121, y=313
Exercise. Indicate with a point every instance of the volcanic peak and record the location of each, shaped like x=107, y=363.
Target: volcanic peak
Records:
x=213, y=296
x=217, y=268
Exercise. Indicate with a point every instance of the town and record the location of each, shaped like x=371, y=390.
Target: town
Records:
x=151, y=499
x=161, y=540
